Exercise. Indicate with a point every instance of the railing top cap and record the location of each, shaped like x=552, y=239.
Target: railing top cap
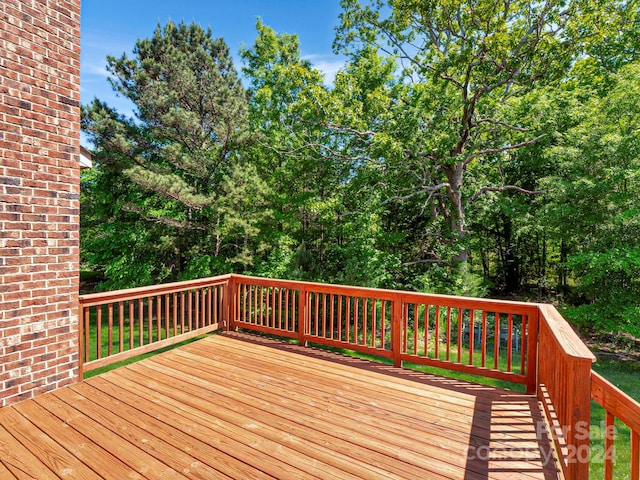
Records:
x=104, y=297
x=373, y=292
x=564, y=334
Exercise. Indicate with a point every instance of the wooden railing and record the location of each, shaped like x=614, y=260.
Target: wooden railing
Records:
x=122, y=324
x=564, y=375
x=489, y=338
x=523, y=343
x=617, y=404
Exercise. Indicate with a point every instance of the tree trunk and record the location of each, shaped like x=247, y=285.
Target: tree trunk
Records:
x=512, y=273
x=218, y=239
x=485, y=263
x=542, y=273
x=562, y=274
x=454, y=175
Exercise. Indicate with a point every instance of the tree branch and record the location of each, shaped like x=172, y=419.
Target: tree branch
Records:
x=503, y=188
x=426, y=260
x=432, y=190
x=394, y=42
x=502, y=124
x=163, y=220
x=515, y=146
x=298, y=152
x=340, y=128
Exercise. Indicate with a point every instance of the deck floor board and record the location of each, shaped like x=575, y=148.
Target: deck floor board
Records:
x=381, y=423
x=240, y=406
x=17, y=462
x=262, y=414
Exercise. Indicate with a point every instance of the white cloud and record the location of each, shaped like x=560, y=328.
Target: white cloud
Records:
x=94, y=69
x=329, y=65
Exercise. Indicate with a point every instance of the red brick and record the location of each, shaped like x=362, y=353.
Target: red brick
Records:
x=9, y=394
x=39, y=184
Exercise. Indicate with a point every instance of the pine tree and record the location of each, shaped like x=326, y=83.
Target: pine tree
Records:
x=171, y=164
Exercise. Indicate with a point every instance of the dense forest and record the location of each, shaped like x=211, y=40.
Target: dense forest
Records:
x=473, y=148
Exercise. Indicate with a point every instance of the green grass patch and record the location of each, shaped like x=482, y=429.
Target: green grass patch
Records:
x=128, y=361
x=132, y=336
x=132, y=333
x=464, y=355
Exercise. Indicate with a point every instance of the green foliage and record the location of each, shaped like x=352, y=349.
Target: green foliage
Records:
x=444, y=281
x=325, y=223
x=465, y=148
x=174, y=192
x=460, y=64
x=595, y=205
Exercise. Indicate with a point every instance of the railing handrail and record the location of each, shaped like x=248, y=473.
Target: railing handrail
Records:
x=615, y=401
x=101, y=298
x=617, y=405
x=389, y=294
x=564, y=335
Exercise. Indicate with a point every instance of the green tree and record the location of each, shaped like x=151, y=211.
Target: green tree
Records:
x=280, y=81
x=517, y=247
x=327, y=221
x=595, y=206
x=460, y=62
x=174, y=166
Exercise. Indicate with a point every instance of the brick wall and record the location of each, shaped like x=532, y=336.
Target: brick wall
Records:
x=39, y=195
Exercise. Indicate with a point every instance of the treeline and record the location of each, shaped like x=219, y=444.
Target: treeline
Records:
x=467, y=148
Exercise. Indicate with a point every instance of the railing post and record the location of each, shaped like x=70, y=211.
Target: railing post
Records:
x=564, y=369
x=532, y=351
x=230, y=302
x=303, y=321
x=579, y=401
x=396, y=330
x=83, y=313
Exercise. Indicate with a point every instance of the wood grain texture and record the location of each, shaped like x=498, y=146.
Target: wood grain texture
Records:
x=240, y=406
x=565, y=384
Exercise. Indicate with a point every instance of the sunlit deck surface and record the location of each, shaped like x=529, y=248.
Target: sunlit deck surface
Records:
x=240, y=406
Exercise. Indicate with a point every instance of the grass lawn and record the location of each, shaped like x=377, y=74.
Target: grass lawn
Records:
x=128, y=361
x=438, y=371
x=139, y=337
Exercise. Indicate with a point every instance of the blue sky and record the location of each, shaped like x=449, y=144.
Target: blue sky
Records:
x=111, y=27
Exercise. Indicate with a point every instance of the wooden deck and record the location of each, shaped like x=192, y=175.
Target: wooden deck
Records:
x=237, y=406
